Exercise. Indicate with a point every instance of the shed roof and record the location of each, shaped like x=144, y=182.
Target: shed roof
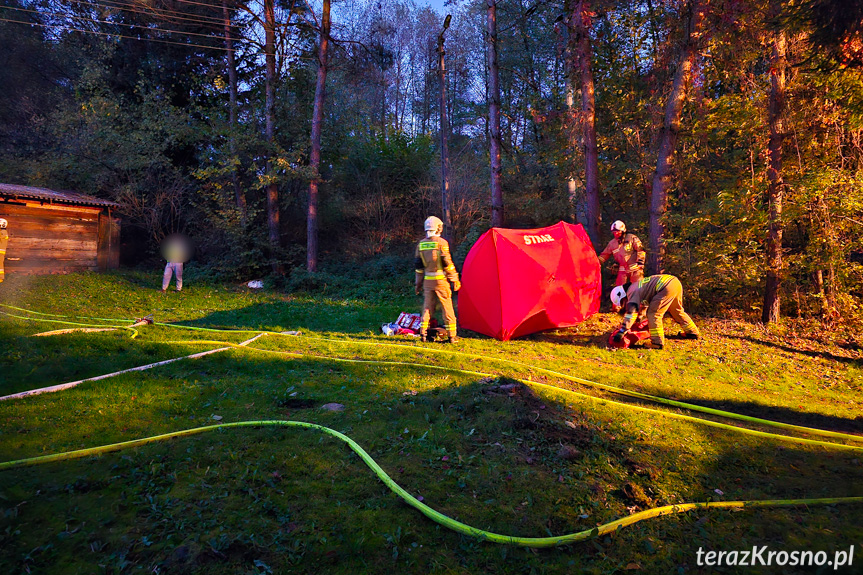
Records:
x=53, y=196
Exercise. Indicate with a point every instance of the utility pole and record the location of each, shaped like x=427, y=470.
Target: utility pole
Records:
x=444, y=133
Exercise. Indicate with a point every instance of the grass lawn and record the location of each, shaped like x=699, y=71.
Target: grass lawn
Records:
x=485, y=450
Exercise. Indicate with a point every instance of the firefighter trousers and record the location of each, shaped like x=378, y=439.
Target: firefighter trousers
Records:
x=2, y=271
x=434, y=295
x=668, y=299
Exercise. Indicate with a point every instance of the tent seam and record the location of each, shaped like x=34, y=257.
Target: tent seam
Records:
x=499, y=283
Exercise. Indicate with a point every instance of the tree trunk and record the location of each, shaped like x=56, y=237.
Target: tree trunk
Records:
x=494, y=117
x=270, y=112
x=664, y=173
x=444, y=146
x=776, y=110
x=315, y=156
x=822, y=295
x=580, y=26
x=576, y=200
x=239, y=196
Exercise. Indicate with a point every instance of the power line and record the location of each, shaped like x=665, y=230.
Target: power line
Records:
x=159, y=40
x=97, y=33
x=160, y=13
x=200, y=3
x=220, y=38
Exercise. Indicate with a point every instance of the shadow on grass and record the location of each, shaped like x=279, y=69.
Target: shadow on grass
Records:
x=490, y=452
x=806, y=352
x=304, y=312
x=786, y=415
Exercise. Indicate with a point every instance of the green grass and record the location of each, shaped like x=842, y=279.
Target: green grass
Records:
x=290, y=500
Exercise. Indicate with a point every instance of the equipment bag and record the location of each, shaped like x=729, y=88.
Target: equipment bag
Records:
x=638, y=333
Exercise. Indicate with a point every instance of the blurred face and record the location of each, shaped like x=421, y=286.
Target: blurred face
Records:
x=617, y=234
x=177, y=248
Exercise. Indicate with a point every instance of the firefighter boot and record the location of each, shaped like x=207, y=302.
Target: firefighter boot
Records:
x=453, y=339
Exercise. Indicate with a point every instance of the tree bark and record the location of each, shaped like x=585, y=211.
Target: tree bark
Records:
x=239, y=196
x=662, y=177
x=776, y=112
x=444, y=136
x=315, y=156
x=270, y=112
x=494, y=117
x=580, y=26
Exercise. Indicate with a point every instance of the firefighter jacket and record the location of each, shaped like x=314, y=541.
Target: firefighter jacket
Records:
x=433, y=263
x=4, y=240
x=627, y=252
x=658, y=294
x=640, y=294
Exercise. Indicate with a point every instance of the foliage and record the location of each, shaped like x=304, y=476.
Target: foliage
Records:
x=382, y=182
x=147, y=124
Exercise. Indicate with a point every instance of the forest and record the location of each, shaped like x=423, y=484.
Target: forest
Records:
x=285, y=136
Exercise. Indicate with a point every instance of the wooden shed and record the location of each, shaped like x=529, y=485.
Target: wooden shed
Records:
x=58, y=232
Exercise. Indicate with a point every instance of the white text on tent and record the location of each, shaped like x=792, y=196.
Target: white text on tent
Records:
x=538, y=239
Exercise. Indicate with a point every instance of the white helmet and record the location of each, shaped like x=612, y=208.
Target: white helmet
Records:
x=618, y=226
x=3, y=224
x=618, y=294
x=434, y=224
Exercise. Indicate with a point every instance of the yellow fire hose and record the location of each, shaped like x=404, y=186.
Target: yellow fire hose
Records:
x=604, y=387
x=429, y=512
x=86, y=325
x=453, y=524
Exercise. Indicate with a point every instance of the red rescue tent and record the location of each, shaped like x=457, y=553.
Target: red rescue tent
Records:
x=517, y=282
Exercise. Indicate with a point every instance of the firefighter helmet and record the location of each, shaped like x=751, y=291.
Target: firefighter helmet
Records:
x=618, y=226
x=618, y=294
x=3, y=224
x=434, y=224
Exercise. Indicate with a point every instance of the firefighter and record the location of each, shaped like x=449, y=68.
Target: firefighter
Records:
x=434, y=270
x=628, y=253
x=4, y=241
x=657, y=295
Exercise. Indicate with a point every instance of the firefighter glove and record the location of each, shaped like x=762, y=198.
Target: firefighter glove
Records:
x=456, y=285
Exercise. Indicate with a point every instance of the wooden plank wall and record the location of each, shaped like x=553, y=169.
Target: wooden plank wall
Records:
x=53, y=239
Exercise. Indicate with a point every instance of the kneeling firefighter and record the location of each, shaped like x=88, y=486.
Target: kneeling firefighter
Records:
x=434, y=270
x=657, y=295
